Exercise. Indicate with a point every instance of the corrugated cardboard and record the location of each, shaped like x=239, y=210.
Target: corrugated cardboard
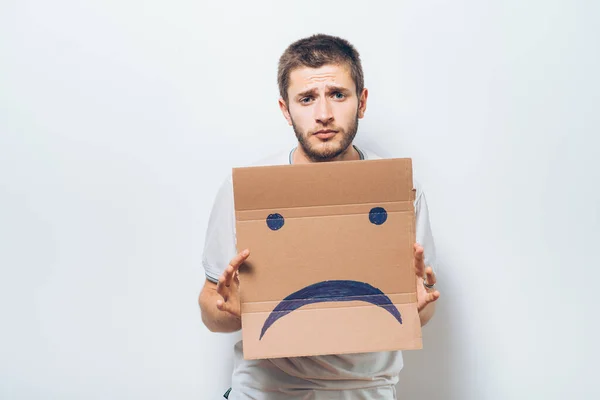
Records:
x=335, y=239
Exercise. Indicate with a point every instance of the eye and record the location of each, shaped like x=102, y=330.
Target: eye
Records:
x=305, y=100
x=339, y=95
x=275, y=221
x=378, y=215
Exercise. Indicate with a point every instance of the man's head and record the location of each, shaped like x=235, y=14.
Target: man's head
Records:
x=322, y=93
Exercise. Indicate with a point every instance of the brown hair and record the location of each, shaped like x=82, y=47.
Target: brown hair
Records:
x=314, y=52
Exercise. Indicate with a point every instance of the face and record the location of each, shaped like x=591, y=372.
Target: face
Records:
x=324, y=108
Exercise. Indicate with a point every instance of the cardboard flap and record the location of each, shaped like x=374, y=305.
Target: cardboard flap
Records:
x=323, y=184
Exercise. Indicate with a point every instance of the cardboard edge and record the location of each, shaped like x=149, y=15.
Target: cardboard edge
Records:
x=417, y=345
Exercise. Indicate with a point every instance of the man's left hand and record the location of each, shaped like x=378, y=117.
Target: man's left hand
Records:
x=424, y=275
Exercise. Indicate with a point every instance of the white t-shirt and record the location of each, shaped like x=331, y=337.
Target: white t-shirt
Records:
x=367, y=376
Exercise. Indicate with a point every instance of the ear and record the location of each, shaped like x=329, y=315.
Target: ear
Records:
x=362, y=103
x=284, y=109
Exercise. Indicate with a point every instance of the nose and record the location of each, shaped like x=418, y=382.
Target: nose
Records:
x=323, y=112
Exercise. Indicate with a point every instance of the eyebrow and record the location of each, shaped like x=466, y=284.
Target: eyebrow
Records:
x=330, y=89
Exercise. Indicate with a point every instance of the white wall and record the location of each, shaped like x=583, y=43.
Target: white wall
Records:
x=118, y=120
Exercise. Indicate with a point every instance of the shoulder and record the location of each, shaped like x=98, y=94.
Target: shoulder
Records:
x=277, y=158
x=281, y=157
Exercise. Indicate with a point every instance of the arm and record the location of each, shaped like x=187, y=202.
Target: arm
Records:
x=426, y=297
x=217, y=258
x=425, y=258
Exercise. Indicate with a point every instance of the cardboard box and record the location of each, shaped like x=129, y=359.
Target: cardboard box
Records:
x=331, y=267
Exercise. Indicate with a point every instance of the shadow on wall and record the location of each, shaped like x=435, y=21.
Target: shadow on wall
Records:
x=435, y=372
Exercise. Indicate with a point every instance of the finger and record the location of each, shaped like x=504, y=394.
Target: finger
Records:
x=419, y=260
x=433, y=296
x=222, y=289
x=223, y=305
x=234, y=265
x=228, y=274
x=227, y=307
x=430, y=276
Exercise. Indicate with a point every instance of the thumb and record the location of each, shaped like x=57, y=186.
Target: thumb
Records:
x=430, y=297
x=228, y=307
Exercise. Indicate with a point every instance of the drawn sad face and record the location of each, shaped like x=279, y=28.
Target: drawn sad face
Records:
x=331, y=235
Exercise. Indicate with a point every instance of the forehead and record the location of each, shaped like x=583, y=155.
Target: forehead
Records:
x=303, y=78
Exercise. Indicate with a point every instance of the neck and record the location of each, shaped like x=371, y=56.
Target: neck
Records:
x=300, y=157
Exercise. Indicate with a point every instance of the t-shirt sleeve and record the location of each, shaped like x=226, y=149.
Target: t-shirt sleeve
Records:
x=423, y=230
x=220, y=241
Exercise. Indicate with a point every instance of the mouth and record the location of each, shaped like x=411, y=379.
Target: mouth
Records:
x=331, y=291
x=325, y=134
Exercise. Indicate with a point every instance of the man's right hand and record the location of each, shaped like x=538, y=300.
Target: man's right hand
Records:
x=228, y=286
x=220, y=302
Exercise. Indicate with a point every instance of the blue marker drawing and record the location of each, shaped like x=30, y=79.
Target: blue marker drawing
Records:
x=275, y=221
x=329, y=291
x=378, y=215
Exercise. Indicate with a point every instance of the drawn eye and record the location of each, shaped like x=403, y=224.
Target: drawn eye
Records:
x=378, y=215
x=275, y=221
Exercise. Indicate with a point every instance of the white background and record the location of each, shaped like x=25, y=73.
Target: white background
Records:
x=119, y=119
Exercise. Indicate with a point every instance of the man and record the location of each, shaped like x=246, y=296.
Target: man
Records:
x=322, y=97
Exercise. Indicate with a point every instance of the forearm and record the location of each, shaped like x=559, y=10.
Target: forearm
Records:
x=427, y=313
x=215, y=319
